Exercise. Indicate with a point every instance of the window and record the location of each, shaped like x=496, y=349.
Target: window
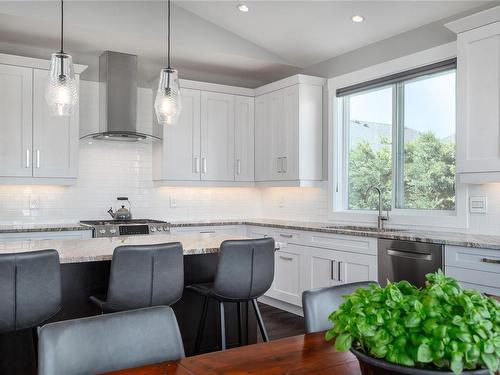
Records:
x=398, y=134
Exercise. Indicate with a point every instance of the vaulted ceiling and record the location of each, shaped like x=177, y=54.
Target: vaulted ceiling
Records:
x=212, y=40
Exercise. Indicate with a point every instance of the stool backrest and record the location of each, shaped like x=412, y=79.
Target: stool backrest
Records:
x=30, y=289
x=144, y=276
x=319, y=303
x=245, y=269
x=109, y=342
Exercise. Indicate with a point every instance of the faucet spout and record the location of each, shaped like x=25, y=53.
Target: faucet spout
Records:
x=380, y=218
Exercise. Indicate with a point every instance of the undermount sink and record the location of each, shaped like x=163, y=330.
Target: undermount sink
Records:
x=361, y=228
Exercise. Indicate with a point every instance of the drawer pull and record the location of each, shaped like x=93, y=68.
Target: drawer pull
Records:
x=286, y=235
x=207, y=232
x=285, y=258
x=489, y=260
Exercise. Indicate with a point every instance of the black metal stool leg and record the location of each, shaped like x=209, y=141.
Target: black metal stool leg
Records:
x=222, y=326
x=240, y=339
x=263, y=331
x=34, y=333
x=201, y=326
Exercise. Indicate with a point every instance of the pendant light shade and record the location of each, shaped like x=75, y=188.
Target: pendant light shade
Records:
x=62, y=90
x=168, y=103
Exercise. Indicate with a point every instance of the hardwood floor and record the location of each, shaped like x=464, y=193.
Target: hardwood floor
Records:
x=279, y=323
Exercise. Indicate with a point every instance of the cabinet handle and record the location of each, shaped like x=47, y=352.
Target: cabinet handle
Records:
x=27, y=158
x=286, y=235
x=196, y=165
x=285, y=258
x=38, y=158
x=203, y=165
x=331, y=270
x=238, y=166
x=489, y=260
x=340, y=268
x=207, y=232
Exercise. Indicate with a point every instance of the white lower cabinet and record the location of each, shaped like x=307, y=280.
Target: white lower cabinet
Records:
x=474, y=268
x=300, y=266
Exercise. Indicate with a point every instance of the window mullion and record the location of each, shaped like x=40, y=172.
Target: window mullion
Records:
x=345, y=152
x=398, y=147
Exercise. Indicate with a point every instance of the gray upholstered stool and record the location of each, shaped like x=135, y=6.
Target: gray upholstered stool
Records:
x=245, y=271
x=110, y=342
x=30, y=290
x=319, y=303
x=144, y=276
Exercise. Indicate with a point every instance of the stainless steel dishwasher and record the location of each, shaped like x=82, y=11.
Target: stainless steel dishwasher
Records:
x=407, y=260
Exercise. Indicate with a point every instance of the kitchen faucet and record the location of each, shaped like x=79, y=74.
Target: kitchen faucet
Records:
x=381, y=218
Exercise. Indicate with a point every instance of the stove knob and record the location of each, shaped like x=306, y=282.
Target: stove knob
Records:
x=112, y=230
x=102, y=231
x=153, y=229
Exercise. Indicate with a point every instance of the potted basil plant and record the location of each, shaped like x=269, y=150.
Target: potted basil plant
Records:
x=438, y=329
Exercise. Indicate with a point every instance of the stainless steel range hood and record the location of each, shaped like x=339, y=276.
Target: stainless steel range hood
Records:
x=118, y=99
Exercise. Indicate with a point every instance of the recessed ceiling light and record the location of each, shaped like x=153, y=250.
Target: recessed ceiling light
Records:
x=243, y=8
x=357, y=18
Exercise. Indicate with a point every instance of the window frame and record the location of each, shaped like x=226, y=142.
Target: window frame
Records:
x=337, y=160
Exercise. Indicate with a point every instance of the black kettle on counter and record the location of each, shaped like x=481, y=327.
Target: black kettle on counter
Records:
x=123, y=213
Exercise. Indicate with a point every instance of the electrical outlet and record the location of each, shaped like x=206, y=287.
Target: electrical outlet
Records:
x=173, y=202
x=34, y=203
x=281, y=202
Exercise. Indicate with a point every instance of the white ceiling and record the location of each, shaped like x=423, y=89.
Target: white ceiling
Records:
x=212, y=40
x=307, y=32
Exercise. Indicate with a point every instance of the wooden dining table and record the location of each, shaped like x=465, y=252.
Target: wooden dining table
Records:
x=302, y=354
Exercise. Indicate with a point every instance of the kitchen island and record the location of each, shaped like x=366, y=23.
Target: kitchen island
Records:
x=85, y=266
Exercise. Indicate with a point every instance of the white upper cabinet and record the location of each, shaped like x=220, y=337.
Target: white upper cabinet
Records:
x=55, y=138
x=177, y=158
x=288, y=132
x=478, y=96
x=15, y=121
x=212, y=143
x=217, y=137
x=35, y=146
x=244, y=138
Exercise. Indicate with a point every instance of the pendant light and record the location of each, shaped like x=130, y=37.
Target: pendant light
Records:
x=62, y=91
x=168, y=104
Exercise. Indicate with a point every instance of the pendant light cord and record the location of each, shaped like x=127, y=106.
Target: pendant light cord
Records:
x=169, y=32
x=62, y=26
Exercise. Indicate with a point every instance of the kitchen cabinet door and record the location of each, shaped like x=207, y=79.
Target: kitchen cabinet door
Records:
x=478, y=98
x=356, y=267
x=264, y=161
x=15, y=121
x=244, y=139
x=288, y=273
x=324, y=271
x=288, y=146
x=181, y=142
x=217, y=137
x=276, y=132
x=55, y=138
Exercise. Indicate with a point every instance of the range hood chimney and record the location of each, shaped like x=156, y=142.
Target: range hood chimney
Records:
x=118, y=99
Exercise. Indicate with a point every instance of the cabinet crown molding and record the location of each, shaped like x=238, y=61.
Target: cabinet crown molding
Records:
x=290, y=81
x=30, y=62
x=475, y=20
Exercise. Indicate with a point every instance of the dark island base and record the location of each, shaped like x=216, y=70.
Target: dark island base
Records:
x=81, y=280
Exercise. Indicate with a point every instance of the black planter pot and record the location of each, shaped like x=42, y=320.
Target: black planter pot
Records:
x=374, y=366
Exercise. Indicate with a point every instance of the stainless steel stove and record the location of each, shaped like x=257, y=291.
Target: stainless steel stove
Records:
x=115, y=228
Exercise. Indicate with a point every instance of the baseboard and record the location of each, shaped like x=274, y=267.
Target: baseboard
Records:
x=297, y=310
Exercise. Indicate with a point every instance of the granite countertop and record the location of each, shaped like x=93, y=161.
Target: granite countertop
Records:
x=98, y=249
x=29, y=228
x=437, y=237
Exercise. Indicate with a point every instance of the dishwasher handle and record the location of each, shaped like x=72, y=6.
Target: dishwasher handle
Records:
x=409, y=254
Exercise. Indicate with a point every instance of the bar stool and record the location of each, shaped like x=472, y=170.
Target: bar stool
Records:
x=144, y=276
x=30, y=290
x=245, y=271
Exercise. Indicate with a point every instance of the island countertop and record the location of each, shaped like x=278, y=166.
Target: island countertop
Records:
x=99, y=249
